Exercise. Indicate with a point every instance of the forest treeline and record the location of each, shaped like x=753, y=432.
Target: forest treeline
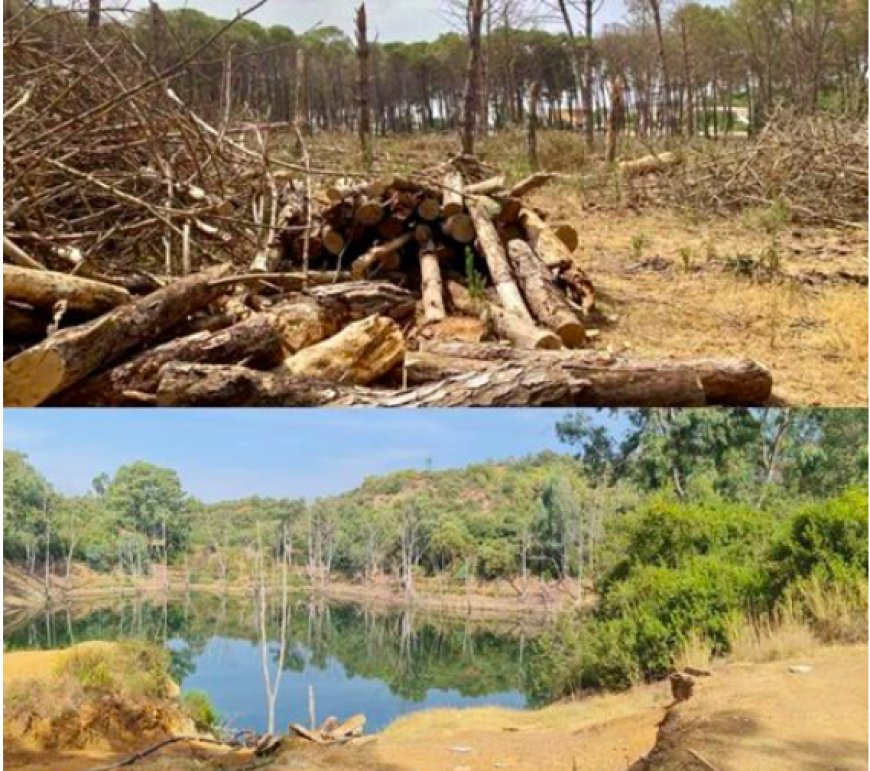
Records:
x=680, y=70
x=548, y=516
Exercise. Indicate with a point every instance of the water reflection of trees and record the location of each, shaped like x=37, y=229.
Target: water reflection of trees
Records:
x=409, y=650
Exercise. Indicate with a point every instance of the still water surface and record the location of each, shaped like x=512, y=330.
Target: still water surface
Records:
x=384, y=664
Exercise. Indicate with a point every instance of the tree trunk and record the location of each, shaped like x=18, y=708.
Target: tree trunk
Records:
x=474, y=16
x=69, y=356
x=93, y=15
x=365, y=126
x=532, y=131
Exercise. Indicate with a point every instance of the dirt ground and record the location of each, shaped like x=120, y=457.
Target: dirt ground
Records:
x=763, y=717
x=675, y=283
x=668, y=285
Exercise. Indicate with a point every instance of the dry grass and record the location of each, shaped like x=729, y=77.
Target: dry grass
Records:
x=838, y=612
x=695, y=651
x=770, y=639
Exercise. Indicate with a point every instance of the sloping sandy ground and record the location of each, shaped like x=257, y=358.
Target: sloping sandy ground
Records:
x=763, y=717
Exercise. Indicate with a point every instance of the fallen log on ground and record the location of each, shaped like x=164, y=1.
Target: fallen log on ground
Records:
x=613, y=381
x=255, y=340
x=46, y=288
x=72, y=354
x=202, y=385
x=648, y=164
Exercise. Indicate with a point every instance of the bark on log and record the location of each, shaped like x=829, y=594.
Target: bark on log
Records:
x=361, y=299
x=622, y=382
x=486, y=186
x=378, y=255
x=45, y=288
x=203, y=385
x=497, y=262
x=361, y=353
x=508, y=326
x=532, y=182
x=254, y=340
x=304, y=321
x=432, y=286
x=543, y=240
x=69, y=356
x=460, y=227
x=452, y=200
x=546, y=302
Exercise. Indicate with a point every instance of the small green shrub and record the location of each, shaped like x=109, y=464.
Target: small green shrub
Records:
x=130, y=669
x=640, y=242
x=198, y=707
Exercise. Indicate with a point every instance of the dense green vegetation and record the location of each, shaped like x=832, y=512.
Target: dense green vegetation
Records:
x=548, y=516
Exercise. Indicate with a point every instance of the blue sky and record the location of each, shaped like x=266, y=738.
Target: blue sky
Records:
x=232, y=453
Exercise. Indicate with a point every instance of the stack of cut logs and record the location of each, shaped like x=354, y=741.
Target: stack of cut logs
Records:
x=444, y=289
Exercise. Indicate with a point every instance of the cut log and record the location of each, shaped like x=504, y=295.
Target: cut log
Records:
x=22, y=322
x=553, y=253
x=623, y=382
x=379, y=256
x=546, y=302
x=649, y=164
x=207, y=385
x=392, y=227
x=254, y=340
x=299, y=730
x=292, y=281
x=369, y=212
x=497, y=262
x=486, y=186
x=508, y=326
x=45, y=288
x=459, y=227
x=451, y=203
x=432, y=287
x=353, y=726
x=532, y=182
x=332, y=240
x=429, y=209
x=361, y=353
x=70, y=355
x=304, y=321
x=567, y=234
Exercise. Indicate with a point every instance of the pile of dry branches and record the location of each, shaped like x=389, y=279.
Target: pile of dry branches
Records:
x=152, y=259
x=816, y=166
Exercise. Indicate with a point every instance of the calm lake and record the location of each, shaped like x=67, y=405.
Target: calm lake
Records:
x=384, y=664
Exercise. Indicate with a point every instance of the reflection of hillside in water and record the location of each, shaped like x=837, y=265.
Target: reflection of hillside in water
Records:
x=410, y=651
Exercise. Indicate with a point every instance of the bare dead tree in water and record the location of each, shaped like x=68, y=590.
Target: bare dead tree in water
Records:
x=271, y=686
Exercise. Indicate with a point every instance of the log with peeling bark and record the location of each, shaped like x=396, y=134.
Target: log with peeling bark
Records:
x=432, y=287
x=497, y=262
x=361, y=299
x=546, y=302
x=45, y=288
x=614, y=381
x=255, y=340
x=203, y=385
x=70, y=355
x=383, y=255
x=547, y=245
x=508, y=326
x=361, y=353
